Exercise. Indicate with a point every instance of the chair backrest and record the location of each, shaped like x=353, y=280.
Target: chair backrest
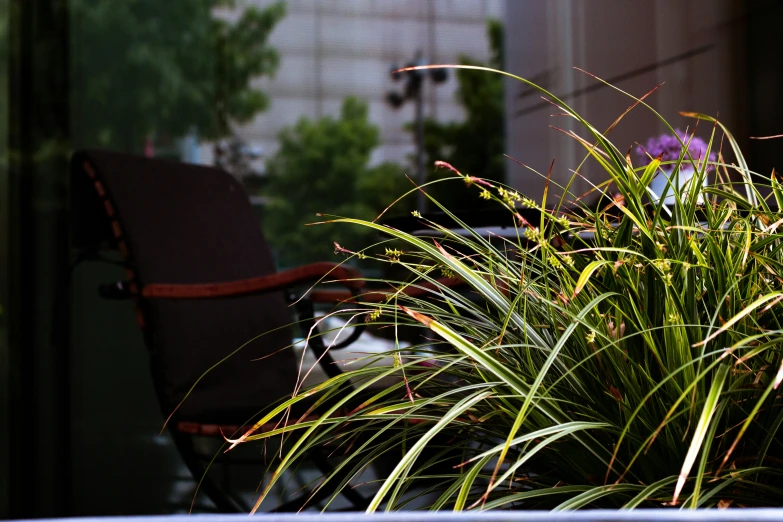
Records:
x=185, y=224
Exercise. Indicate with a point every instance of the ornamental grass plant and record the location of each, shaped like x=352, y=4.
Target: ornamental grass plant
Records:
x=620, y=355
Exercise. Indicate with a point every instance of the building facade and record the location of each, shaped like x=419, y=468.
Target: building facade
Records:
x=695, y=51
x=337, y=48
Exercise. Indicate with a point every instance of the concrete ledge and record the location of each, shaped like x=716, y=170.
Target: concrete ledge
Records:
x=642, y=515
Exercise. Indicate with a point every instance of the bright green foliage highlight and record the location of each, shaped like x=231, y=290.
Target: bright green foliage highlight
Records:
x=620, y=357
x=322, y=168
x=476, y=144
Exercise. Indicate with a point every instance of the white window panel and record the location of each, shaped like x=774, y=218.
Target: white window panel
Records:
x=283, y=112
x=453, y=39
x=396, y=153
x=297, y=76
x=295, y=32
x=460, y=9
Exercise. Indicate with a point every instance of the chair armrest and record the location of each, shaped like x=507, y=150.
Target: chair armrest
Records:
x=376, y=296
x=331, y=272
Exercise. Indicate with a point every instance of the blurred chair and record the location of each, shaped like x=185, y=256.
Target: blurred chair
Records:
x=204, y=284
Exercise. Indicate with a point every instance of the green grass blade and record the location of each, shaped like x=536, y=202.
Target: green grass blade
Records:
x=701, y=428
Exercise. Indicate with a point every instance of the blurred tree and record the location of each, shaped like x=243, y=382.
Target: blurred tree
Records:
x=322, y=167
x=152, y=67
x=474, y=146
x=3, y=49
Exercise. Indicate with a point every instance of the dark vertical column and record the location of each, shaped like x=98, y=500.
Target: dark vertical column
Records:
x=432, y=57
x=765, y=74
x=319, y=58
x=5, y=476
x=38, y=252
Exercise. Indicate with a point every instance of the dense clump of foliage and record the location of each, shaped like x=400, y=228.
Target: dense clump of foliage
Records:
x=623, y=356
x=323, y=167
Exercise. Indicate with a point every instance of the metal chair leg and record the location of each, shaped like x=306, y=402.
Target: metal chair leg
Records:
x=224, y=502
x=310, y=497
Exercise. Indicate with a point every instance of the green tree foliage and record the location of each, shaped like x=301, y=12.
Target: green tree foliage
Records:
x=322, y=167
x=150, y=66
x=474, y=146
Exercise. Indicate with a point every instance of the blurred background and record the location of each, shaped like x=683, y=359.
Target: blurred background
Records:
x=296, y=98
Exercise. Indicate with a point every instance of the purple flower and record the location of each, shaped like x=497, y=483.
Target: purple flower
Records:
x=669, y=148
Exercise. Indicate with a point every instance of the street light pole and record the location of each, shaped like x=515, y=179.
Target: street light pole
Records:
x=421, y=202
x=413, y=90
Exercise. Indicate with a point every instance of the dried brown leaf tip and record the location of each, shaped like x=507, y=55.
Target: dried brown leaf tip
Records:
x=616, y=393
x=614, y=332
x=423, y=319
x=442, y=164
x=442, y=250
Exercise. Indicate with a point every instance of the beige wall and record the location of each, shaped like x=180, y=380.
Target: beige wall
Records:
x=610, y=38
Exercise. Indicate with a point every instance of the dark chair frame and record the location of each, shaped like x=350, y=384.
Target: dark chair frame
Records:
x=92, y=205
x=97, y=226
